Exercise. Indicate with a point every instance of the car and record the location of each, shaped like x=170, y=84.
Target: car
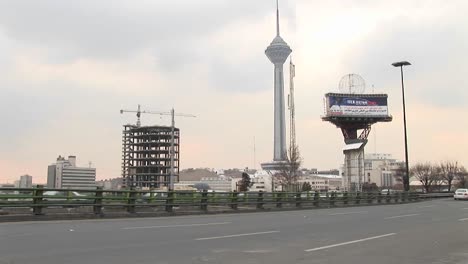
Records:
x=388, y=191
x=63, y=195
x=461, y=194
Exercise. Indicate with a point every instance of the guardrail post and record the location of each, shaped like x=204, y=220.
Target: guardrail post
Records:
x=396, y=198
x=260, y=200
x=316, y=199
x=358, y=198
x=388, y=198
x=345, y=198
x=370, y=197
x=332, y=199
x=97, y=208
x=204, y=201
x=379, y=197
x=298, y=199
x=37, y=200
x=169, y=201
x=278, y=199
x=131, y=201
x=234, y=200
x=405, y=197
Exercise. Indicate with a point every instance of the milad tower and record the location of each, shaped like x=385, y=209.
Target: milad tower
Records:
x=278, y=51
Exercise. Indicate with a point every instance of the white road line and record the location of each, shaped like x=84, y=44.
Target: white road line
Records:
x=238, y=235
x=400, y=216
x=357, y=212
x=463, y=219
x=349, y=242
x=426, y=206
x=186, y=225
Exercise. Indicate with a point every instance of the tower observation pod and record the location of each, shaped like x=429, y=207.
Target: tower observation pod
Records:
x=354, y=112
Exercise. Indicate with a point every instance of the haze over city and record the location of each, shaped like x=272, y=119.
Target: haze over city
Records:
x=67, y=70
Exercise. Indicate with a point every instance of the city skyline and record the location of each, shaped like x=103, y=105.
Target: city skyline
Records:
x=66, y=73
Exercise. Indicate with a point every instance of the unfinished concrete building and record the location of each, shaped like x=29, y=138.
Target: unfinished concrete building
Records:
x=146, y=156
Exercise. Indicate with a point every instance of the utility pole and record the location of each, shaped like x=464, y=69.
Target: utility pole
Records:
x=400, y=65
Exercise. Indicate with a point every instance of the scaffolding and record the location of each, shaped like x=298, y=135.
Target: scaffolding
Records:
x=146, y=156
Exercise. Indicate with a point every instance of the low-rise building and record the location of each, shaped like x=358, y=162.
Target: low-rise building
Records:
x=322, y=182
x=25, y=181
x=65, y=174
x=381, y=169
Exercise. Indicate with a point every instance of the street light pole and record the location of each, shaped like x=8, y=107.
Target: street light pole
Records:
x=400, y=64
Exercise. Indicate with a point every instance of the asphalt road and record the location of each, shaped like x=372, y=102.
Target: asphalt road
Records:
x=427, y=232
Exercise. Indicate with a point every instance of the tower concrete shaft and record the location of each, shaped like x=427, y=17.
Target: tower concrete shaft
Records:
x=278, y=51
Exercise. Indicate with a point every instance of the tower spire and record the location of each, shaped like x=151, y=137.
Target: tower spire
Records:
x=277, y=19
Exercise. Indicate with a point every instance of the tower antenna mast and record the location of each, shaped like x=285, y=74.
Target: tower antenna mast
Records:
x=277, y=19
x=292, y=110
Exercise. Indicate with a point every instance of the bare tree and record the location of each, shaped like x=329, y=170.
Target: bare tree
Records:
x=399, y=173
x=462, y=177
x=425, y=173
x=448, y=171
x=289, y=170
x=439, y=181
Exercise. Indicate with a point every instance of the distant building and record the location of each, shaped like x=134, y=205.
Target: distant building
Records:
x=146, y=156
x=65, y=174
x=111, y=184
x=381, y=169
x=221, y=184
x=323, y=182
x=25, y=181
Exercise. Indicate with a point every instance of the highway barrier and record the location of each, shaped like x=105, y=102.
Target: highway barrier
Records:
x=40, y=201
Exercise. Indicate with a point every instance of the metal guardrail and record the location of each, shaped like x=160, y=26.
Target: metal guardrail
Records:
x=132, y=201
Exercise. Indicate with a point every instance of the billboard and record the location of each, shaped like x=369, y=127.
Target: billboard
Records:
x=365, y=105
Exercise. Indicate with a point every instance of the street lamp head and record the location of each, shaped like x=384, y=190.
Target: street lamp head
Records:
x=401, y=63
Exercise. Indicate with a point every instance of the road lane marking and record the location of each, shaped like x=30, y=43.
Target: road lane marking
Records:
x=356, y=212
x=463, y=219
x=238, y=235
x=427, y=206
x=349, y=242
x=186, y=225
x=400, y=216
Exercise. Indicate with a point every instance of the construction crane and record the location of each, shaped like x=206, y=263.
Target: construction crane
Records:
x=172, y=114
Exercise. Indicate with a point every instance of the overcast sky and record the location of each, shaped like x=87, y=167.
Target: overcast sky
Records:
x=68, y=67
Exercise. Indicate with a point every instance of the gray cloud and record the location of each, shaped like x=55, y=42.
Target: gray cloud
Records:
x=174, y=32
x=435, y=50
x=112, y=29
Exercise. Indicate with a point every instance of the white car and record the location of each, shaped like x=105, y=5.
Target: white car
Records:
x=461, y=194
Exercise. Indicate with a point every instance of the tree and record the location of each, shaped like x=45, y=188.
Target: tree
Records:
x=370, y=187
x=245, y=183
x=426, y=174
x=306, y=187
x=448, y=171
x=462, y=177
x=200, y=186
x=289, y=170
x=399, y=173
